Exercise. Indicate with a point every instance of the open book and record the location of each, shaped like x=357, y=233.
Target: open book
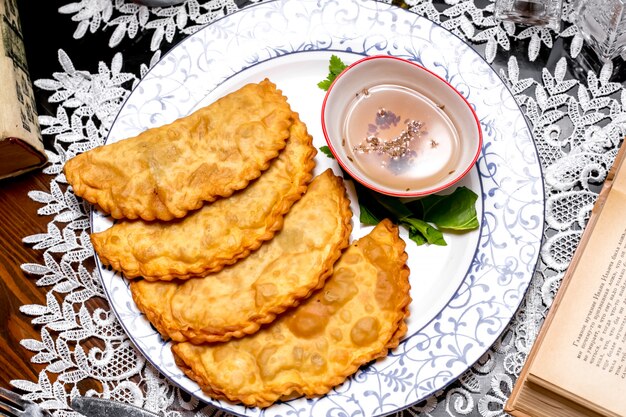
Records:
x=577, y=366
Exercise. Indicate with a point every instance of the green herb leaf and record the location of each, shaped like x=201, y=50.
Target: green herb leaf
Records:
x=325, y=85
x=430, y=233
x=370, y=211
x=425, y=218
x=375, y=206
x=393, y=205
x=367, y=217
x=335, y=67
x=416, y=236
x=326, y=151
x=456, y=211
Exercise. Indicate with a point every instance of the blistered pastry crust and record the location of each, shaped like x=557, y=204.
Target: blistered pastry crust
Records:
x=167, y=171
x=316, y=346
x=240, y=298
x=217, y=234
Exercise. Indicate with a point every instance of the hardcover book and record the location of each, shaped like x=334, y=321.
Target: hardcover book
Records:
x=577, y=365
x=21, y=145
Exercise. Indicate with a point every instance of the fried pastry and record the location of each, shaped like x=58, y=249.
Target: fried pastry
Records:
x=357, y=316
x=166, y=171
x=238, y=299
x=218, y=234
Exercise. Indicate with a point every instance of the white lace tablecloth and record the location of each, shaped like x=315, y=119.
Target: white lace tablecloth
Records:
x=578, y=118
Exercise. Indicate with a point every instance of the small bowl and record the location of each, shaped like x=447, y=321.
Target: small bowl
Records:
x=399, y=129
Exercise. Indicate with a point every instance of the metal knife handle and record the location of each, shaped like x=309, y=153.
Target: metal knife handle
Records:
x=101, y=407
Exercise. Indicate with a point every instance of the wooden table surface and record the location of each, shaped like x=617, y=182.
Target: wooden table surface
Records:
x=18, y=218
x=18, y=213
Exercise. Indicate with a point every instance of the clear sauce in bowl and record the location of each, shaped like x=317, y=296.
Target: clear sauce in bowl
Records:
x=399, y=138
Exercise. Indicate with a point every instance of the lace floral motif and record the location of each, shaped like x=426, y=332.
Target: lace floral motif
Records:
x=574, y=162
x=128, y=19
x=462, y=17
x=477, y=24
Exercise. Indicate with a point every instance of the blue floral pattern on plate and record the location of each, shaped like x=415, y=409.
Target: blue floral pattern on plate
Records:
x=503, y=253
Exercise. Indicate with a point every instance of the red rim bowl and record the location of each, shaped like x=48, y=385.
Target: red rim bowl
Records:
x=380, y=70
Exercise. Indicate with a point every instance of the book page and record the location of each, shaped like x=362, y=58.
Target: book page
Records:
x=584, y=351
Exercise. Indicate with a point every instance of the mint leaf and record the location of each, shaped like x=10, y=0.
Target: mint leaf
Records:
x=335, y=67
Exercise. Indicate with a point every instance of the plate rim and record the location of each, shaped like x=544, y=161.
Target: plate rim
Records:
x=503, y=83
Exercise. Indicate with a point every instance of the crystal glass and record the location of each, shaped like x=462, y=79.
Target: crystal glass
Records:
x=603, y=25
x=530, y=12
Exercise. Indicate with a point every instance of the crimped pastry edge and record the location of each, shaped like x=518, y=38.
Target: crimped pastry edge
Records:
x=288, y=391
x=199, y=336
x=294, y=299
x=94, y=196
x=276, y=220
x=206, y=335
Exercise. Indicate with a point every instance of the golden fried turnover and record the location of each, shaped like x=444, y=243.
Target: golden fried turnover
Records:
x=166, y=171
x=217, y=234
x=357, y=316
x=238, y=299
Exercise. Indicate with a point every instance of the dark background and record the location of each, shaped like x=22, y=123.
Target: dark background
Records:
x=45, y=31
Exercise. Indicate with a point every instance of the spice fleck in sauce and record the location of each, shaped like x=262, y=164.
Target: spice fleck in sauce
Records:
x=399, y=138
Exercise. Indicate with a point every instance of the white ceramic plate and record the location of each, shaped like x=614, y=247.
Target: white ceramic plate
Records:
x=465, y=293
